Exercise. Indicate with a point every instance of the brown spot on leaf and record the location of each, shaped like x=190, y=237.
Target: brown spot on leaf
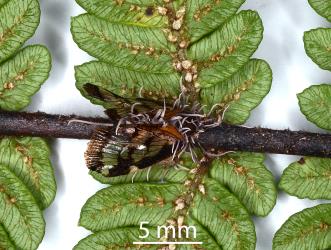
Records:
x=215, y=199
x=19, y=77
x=115, y=209
x=141, y=201
x=160, y=201
x=324, y=226
x=149, y=11
x=231, y=161
x=301, y=161
x=12, y=200
x=251, y=183
x=327, y=174
x=226, y=216
x=119, y=2
x=231, y=49
x=202, y=12
x=240, y=170
x=28, y=160
x=235, y=228
x=8, y=85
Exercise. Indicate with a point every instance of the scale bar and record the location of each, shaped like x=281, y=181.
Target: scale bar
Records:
x=168, y=243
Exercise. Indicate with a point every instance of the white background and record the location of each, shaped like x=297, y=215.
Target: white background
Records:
x=285, y=22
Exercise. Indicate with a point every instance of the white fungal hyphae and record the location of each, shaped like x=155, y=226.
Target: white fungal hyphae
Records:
x=187, y=64
x=181, y=12
x=180, y=204
x=162, y=11
x=180, y=221
x=171, y=222
x=177, y=24
x=188, y=77
x=172, y=38
x=183, y=44
x=202, y=189
x=194, y=171
x=187, y=183
x=179, y=66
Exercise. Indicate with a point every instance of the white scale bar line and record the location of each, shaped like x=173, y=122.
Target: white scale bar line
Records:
x=168, y=243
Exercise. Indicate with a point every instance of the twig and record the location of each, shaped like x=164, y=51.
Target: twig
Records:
x=225, y=137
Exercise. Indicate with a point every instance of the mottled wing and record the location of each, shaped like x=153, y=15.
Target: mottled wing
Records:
x=114, y=155
x=118, y=106
x=121, y=106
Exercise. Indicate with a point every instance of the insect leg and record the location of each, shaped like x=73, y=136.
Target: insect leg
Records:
x=140, y=92
x=164, y=109
x=181, y=167
x=213, y=155
x=193, y=155
x=133, y=106
x=133, y=176
x=164, y=174
x=213, y=108
x=176, y=149
x=119, y=124
x=91, y=123
x=220, y=118
x=148, y=172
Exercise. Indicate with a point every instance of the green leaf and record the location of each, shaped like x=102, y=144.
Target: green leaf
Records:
x=246, y=176
x=204, y=16
x=18, y=22
x=121, y=238
x=110, y=207
x=318, y=46
x=28, y=158
x=224, y=217
x=124, y=237
x=22, y=76
x=226, y=50
x=126, y=82
x=138, y=13
x=157, y=174
x=308, y=229
x=5, y=242
x=315, y=104
x=123, y=205
x=20, y=216
x=242, y=92
x=3, y=2
x=24, y=162
x=132, y=47
x=308, y=178
x=322, y=7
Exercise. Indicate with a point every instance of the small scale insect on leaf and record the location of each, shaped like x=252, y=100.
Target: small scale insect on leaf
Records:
x=145, y=132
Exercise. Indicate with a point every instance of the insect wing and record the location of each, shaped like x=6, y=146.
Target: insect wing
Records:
x=118, y=106
x=114, y=155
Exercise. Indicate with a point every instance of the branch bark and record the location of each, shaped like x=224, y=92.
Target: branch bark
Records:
x=225, y=137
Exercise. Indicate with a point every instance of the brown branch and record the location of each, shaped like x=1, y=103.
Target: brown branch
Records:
x=225, y=137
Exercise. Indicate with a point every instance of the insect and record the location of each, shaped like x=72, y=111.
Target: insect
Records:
x=144, y=132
